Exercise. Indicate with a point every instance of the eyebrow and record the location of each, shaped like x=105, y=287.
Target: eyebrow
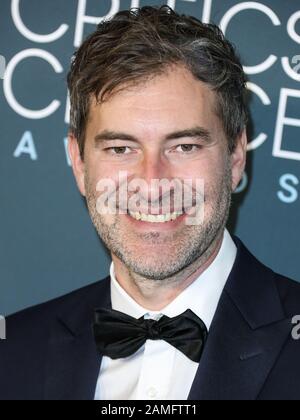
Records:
x=194, y=132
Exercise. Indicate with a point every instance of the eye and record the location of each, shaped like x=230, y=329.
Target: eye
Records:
x=117, y=150
x=188, y=148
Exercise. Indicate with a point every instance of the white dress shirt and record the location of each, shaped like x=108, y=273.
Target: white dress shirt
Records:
x=158, y=371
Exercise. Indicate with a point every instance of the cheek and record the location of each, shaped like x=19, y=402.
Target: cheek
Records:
x=206, y=170
x=214, y=175
x=98, y=171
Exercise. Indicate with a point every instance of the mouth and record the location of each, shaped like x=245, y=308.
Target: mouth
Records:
x=144, y=222
x=150, y=218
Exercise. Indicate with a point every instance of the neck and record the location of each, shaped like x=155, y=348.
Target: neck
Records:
x=154, y=295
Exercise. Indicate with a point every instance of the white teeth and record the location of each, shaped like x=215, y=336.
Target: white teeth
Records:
x=150, y=218
x=137, y=215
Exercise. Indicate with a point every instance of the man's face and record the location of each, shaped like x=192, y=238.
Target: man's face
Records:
x=145, y=116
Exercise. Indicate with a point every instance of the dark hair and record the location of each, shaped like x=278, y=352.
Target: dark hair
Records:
x=138, y=44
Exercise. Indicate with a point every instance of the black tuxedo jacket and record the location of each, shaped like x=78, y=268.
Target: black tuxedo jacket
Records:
x=250, y=354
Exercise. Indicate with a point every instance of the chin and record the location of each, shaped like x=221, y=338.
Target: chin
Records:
x=153, y=268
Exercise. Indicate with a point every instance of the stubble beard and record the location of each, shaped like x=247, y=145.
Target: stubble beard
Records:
x=176, y=251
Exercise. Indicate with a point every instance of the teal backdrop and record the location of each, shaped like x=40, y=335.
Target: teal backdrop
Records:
x=48, y=246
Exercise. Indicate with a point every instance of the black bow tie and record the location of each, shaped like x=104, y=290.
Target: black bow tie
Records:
x=119, y=335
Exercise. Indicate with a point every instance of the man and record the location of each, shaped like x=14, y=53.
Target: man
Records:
x=187, y=312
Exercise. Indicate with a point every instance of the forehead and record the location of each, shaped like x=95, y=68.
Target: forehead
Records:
x=174, y=98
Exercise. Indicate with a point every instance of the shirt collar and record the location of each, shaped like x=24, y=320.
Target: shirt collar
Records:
x=202, y=296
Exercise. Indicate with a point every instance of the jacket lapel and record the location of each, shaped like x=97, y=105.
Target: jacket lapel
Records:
x=247, y=334
x=73, y=363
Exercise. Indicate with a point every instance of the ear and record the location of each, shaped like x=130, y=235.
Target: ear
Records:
x=77, y=162
x=238, y=160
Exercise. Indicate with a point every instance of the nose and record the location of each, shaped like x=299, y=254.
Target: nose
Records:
x=153, y=169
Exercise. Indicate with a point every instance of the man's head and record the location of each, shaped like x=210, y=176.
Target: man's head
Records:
x=160, y=96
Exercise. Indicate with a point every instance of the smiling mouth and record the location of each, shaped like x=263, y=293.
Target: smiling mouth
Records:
x=150, y=218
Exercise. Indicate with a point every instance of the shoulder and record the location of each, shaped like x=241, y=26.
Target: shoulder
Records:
x=23, y=355
x=37, y=319
x=289, y=292
x=263, y=279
